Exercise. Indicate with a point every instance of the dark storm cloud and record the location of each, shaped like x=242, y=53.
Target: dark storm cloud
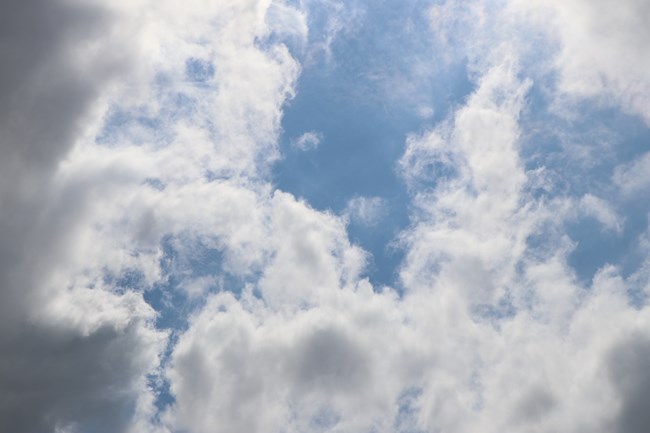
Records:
x=43, y=90
x=328, y=359
x=51, y=376
x=72, y=379
x=629, y=369
x=44, y=94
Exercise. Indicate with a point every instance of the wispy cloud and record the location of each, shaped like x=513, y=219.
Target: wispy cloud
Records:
x=367, y=210
x=308, y=141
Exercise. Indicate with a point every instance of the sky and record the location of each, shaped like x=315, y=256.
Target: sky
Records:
x=325, y=216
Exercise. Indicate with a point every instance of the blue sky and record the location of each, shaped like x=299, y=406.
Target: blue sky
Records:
x=274, y=216
x=361, y=98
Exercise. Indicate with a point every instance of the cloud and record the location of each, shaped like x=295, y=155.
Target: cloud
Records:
x=55, y=376
x=633, y=177
x=627, y=367
x=137, y=146
x=284, y=19
x=602, y=49
x=366, y=210
x=328, y=19
x=602, y=212
x=68, y=347
x=474, y=208
x=79, y=216
x=46, y=91
x=308, y=141
x=245, y=365
x=483, y=248
x=490, y=330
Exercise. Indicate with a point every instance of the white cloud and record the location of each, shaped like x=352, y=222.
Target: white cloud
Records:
x=602, y=48
x=366, y=210
x=244, y=365
x=426, y=112
x=78, y=215
x=310, y=254
x=474, y=211
x=308, y=141
x=633, y=177
x=491, y=329
x=492, y=333
x=512, y=324
x=283, y=19
x=338, y=17
x=602, y=211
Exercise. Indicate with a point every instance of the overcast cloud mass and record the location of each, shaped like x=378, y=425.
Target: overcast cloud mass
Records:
x=324, y=216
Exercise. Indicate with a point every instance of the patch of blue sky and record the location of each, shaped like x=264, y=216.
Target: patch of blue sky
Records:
x=173, y=308
x=326, y=419
x=190, y=269
x=182, y=262
x=119, y=121
x=142, y=124
x=131, y=279
x=584, y=149
x=636, y=290
x=580, y=154
x=163, y=395
x=405, y=421
x=155, y=183
x=380, y=82
x=493, y=313
x=199, y=71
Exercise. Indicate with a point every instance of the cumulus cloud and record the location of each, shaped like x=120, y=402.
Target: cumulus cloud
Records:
x=79, y=214
x=66, y=342
x=137, y=144
x=516, y=303
x=602, y=49
x=263, y=369
x=491, y=331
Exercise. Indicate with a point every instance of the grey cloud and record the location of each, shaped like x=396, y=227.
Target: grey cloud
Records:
x=44, y=95
x=328, y=359
x=629, y=370
x=534, y=406
x=44, y=90
x=56, y=56
x=51, y=379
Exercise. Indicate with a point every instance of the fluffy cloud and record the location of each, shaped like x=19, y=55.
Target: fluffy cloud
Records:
x=88, y=198
x=67, y=346
x=496, y=256
x=138, y=139
x=245, y=365
x=602, y=48
x=493, y=333
x=475, y=209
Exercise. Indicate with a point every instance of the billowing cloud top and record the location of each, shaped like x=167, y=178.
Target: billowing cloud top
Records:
x=275, y=216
